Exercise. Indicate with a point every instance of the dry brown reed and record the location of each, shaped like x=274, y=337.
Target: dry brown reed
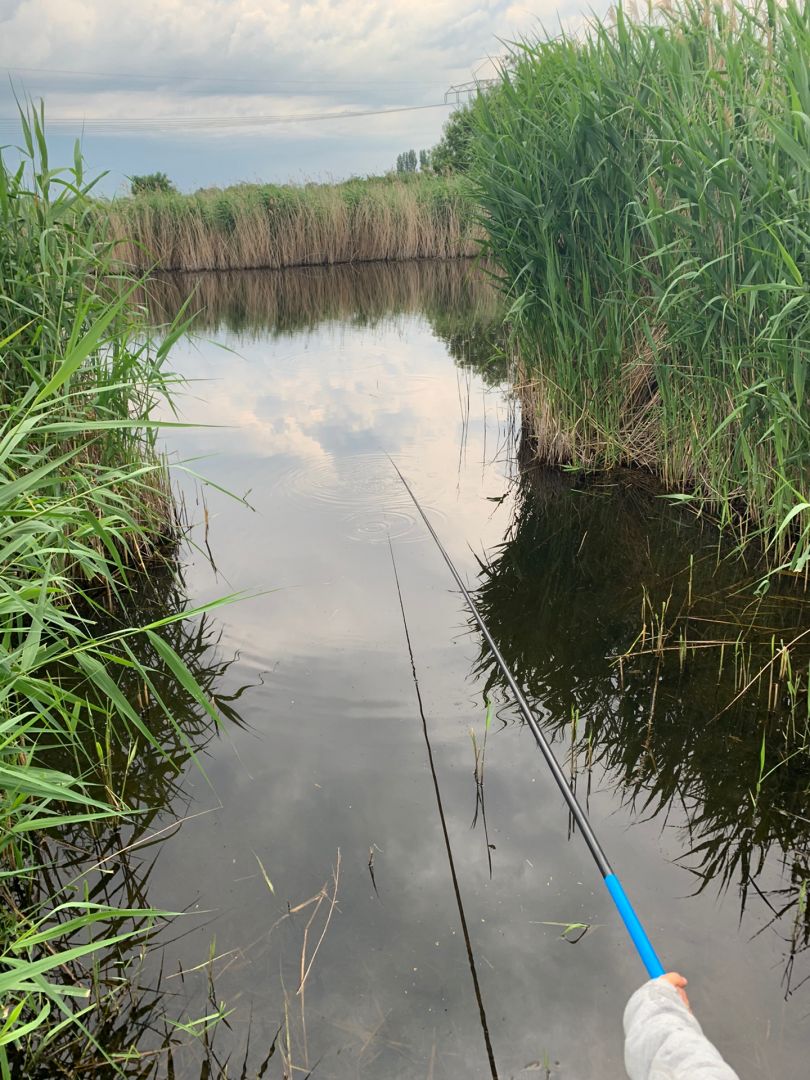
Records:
x=576, y=437
x=264, y=226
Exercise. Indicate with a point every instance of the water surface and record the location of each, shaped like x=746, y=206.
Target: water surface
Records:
x=319, y=774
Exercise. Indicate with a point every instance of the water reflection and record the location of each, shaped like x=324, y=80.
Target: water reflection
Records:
x=255, y=303
x=457, y=298
x=666, y=724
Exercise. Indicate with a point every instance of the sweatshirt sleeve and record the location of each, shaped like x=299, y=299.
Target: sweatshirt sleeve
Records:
x=664, y=1041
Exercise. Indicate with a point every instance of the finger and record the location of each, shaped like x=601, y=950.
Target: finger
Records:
x=675, y=979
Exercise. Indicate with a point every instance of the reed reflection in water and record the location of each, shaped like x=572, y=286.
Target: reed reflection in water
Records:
x=256, y=303
x=586, y=564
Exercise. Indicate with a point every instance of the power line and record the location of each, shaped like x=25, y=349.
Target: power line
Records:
x=133, y=125
x=324, y=80
x=468, y=90
x=316, y=90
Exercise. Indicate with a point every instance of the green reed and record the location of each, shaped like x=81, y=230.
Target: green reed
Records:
x=646, y=194
x=85, y=509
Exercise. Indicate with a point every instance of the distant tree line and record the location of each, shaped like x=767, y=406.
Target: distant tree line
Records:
x=453, y=152
x=408, y=161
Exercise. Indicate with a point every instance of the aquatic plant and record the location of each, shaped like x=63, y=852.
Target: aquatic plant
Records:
x=410, y=216
x=645, y=192
x=85, y=510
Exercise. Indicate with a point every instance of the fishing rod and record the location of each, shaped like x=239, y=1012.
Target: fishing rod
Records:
x=631, y=921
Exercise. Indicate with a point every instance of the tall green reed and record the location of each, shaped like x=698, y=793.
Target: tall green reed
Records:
x=646, y=193
x=85, y=509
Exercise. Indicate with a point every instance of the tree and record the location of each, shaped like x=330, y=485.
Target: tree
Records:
x=454, y=152
x=406, y=163
x=424, y=161
x=156, y=181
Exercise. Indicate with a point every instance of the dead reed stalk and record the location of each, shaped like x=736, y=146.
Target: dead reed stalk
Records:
x=266, y=226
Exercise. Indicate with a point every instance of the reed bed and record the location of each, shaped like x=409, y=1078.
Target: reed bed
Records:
x=253, y=226
x=645, y=191
x=85, y=511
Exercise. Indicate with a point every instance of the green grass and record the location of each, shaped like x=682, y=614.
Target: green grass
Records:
x=85, y=511
x=646, y=194
x=269, y=226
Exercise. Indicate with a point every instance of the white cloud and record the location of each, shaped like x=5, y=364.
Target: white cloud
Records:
x=368, y=52
x=113, y=60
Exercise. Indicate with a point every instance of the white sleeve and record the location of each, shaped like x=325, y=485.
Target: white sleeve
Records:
x=664, y=1041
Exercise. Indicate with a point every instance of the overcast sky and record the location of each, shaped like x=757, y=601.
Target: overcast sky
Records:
x=132, y=64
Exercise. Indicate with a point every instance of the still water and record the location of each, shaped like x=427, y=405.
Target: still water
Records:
x=317, y=787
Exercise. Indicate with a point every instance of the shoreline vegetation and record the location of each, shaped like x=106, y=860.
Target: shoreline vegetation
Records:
x=645, y=195
x=87, y=517
x=645, y=192
x=267, y=226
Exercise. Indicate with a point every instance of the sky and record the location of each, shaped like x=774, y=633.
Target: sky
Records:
x=175, y=85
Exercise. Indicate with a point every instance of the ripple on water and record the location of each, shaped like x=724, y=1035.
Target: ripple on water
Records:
x=401, y=524
x=416, y=382
x=366, y=486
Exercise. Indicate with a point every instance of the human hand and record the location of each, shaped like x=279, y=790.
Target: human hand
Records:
x=679, y=982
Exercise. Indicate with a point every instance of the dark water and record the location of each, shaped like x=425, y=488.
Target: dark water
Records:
x=319, y=773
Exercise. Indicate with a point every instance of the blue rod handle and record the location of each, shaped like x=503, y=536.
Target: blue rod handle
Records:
x=634, y=928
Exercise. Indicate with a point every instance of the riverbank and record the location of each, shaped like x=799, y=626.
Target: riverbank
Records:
x=645, y=193
x=265, y=226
